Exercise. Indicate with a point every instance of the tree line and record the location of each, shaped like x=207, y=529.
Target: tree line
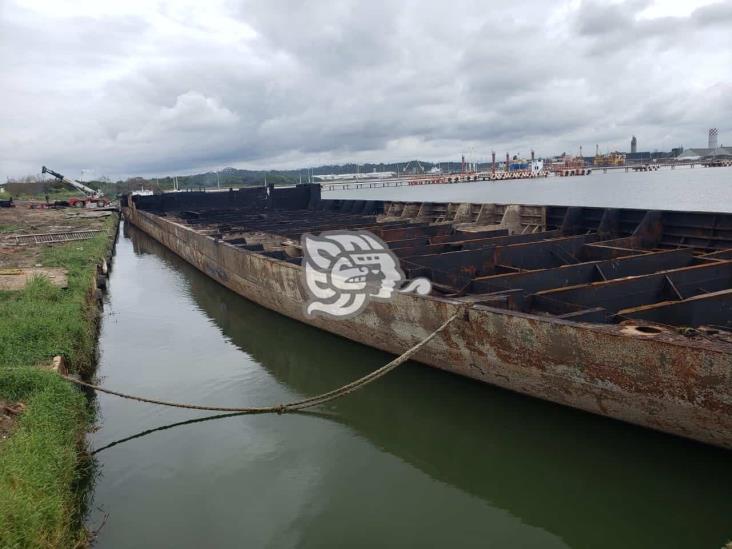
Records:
x=226, y=178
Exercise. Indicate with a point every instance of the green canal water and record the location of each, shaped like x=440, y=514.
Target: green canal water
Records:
x=420, y=459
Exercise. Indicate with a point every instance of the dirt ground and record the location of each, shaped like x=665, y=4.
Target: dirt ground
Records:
x=24, y=220
x=16, y=279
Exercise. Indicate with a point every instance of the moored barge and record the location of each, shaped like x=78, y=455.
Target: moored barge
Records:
x=620, y=312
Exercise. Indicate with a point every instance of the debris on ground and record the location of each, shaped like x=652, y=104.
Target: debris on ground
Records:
x=8, y=414
x=15, y=279
x=23, y=220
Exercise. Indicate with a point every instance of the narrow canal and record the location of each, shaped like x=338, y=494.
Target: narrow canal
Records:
x=421, y=458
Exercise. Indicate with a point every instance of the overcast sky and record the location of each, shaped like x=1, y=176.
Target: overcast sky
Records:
x=149, y=88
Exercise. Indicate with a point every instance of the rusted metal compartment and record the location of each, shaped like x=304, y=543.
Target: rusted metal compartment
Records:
x=620, y=312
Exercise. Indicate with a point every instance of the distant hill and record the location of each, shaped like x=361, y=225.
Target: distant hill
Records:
x=228, y=177
x=234, y=177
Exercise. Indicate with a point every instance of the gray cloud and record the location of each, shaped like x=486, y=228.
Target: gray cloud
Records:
x=144, y=89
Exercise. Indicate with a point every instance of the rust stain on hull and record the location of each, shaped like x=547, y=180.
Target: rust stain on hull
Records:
x=570, y=335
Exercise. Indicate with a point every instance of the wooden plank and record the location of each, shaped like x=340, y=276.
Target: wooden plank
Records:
x=50, y=238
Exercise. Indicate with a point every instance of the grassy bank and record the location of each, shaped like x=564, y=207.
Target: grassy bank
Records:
x=41, y=462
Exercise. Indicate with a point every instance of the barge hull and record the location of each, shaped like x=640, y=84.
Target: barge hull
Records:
x=660, y=381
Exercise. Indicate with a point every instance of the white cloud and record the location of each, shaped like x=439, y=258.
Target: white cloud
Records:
x=134, y=87
x=673, y=8
x=192, y=111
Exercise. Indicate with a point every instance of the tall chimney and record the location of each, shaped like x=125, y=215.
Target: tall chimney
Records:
x=493, y=155
x=713, y=134
x=507, y=161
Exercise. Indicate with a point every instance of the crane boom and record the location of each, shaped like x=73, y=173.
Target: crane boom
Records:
x=80, y=186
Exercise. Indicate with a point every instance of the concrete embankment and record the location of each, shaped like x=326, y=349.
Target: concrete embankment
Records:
x=53, y=266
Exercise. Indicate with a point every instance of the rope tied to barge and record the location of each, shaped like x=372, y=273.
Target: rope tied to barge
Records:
x=290, y=406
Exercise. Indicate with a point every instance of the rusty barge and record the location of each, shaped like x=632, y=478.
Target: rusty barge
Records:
x=620, y=312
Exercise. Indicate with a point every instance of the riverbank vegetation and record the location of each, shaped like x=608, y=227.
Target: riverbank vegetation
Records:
x=40, y=463
x=41, y=458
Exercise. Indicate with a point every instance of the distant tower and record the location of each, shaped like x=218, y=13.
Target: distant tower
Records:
x=713, y=134
x=633, y=145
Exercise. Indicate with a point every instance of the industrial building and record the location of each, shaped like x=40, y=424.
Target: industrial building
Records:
x=706, y=153
x=711, y=152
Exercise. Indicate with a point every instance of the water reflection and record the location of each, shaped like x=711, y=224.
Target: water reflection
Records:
x=148, y=432
x=588, y=481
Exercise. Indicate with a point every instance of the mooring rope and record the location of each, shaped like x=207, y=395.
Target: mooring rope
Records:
x=290, y=406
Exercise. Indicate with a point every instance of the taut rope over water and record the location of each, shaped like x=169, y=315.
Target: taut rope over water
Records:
x=290, y=406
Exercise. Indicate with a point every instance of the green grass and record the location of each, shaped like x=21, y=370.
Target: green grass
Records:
x=40, y=463
x=43, y=321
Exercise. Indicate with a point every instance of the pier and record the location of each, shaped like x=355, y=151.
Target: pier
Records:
x=435, y=179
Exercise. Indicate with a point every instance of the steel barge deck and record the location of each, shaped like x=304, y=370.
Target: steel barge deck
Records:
x=620, y=312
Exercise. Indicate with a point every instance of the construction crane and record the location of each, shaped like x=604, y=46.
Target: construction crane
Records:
x=91, y=196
